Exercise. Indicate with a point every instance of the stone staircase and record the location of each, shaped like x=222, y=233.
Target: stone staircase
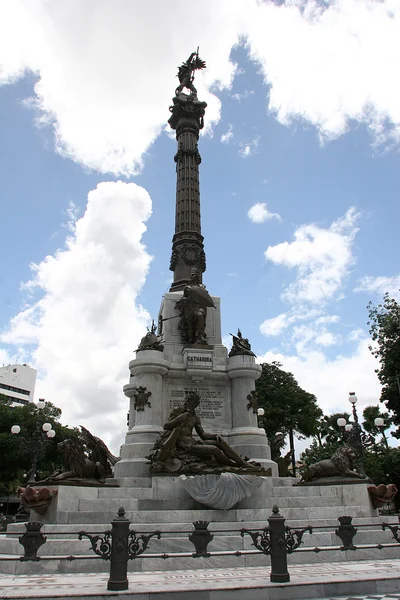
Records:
x=161, y=504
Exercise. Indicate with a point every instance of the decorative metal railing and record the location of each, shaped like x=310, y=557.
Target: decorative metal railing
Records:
x=121, y=544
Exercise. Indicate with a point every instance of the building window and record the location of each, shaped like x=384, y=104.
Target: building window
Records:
x=11, y=388
x=17, y=400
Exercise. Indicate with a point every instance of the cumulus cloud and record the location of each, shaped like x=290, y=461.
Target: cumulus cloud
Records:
x=322, y=258
x=380, y=285
x=106, y=73
x=259, y=213
x=331, y=380
x=97, y=69
x=87, y=321
x=346, y=52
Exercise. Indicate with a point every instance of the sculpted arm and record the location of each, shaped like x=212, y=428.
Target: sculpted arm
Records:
x=203, y=435
x=179, y=420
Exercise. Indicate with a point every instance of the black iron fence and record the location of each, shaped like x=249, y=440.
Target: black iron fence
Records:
x=121, y=544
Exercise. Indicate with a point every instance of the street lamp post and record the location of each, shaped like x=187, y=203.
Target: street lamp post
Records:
x=354, y=432
x=35, y=445
x=380, y=423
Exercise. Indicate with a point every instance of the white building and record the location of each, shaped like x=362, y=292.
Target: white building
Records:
x=17, y=383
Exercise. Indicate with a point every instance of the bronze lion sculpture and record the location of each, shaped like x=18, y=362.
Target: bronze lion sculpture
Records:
x=76, y=465
x=339, y=465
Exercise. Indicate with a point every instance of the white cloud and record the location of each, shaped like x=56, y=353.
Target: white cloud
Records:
x=276, y=325
x=106, y=72
x=356, y=335
x=259, y=213
x=226, y=137
x=327, y=338
x=346, y=52
x=243, y=96
x=380, y=285
x=328, y=319
x=332, y=379
x=248, y=148
x=322, y=258
x=87, y=322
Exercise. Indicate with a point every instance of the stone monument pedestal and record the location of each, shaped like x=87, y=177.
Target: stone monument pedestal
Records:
x=160, y=381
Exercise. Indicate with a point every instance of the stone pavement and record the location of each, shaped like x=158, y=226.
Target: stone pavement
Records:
x=378, y=579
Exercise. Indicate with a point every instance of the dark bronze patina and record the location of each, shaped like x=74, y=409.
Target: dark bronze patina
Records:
x=151, y=341
x=240, y=345
x=141, y=398
x=187, y=118
x=193, y=310
x=177, y=450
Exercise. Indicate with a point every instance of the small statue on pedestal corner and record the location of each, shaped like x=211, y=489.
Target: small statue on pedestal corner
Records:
x=177, y=451
x=193, y=310
x=151, y=341
x=240, y=345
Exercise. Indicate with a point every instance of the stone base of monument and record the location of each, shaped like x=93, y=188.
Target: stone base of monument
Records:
x=163, y=503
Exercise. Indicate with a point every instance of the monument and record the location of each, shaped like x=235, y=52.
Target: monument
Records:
x=186, y=358
x=193, y=451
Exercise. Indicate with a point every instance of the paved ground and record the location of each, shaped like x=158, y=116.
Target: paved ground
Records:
x=348, y=581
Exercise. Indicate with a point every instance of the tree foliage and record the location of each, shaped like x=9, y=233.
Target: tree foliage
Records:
x=382, y=463
x=287, y=406
x=15, y=462
x=384, y=324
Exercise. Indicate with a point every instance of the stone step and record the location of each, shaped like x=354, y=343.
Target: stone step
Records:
x=301, y=490
x=147, y=503
x=304, y=515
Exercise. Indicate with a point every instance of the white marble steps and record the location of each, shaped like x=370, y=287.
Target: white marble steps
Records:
x=304, y=515
x=148, y=503
x=67, y=543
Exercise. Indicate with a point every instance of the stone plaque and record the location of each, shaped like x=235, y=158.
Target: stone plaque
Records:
x=211, y=401
x=195, y=359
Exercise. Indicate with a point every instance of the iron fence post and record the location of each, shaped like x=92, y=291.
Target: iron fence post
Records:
x=31, y=540
x=119, y=553
x=279, y=571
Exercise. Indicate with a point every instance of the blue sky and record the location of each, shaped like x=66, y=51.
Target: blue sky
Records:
x=299, y=186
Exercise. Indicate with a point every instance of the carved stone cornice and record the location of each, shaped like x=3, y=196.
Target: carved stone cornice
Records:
x=186, y=112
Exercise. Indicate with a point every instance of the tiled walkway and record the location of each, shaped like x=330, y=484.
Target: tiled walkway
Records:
x=330, y=581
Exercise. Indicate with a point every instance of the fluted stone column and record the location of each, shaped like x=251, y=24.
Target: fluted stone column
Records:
x=187, y=243
x=145, y=424
x=246, y=437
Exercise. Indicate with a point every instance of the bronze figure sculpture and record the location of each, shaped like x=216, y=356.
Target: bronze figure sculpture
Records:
x=240, y=345
x=193, y=310
x=84, y=458
x=178, y=451
x=151, y=341
x=186, y=74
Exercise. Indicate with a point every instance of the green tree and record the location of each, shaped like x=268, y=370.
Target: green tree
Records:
x=384, y=324
x=328, y=431
x=370, y=413
x=287, y=406
x=382, y=463
x=15, y=462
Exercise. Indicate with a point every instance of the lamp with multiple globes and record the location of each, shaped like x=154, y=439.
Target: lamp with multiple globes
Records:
x=36, y=443
x=354, y=431
x=381, y=425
